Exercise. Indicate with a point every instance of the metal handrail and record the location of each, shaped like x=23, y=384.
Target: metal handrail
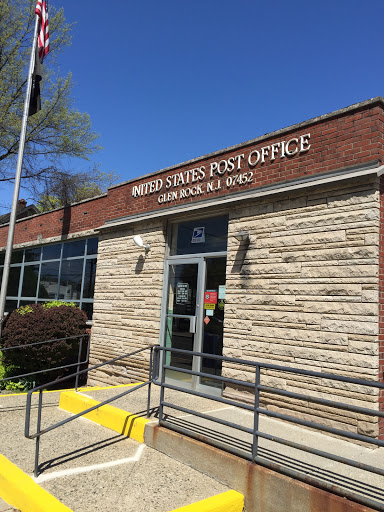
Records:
x=79, y=362
x=256, y=455
x=39, y=432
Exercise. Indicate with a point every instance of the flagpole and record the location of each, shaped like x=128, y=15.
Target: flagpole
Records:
x=16, y=189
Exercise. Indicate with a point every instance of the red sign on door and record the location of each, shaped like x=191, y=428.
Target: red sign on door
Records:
x=210, y=297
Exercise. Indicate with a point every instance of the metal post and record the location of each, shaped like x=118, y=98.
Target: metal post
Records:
x=37, y=448
x=78, y=363
x=156, y=364
x=150, y=381
x=256, y=414
x=16, y=188
x=88, y=347
x=162, y=389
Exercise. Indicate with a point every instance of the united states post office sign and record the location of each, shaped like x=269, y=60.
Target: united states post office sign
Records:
x=222, y=174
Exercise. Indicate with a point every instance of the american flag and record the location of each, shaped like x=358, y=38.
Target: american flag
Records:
x=43, y=41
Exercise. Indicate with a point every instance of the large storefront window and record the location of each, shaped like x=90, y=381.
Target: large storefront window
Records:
x=64, y=271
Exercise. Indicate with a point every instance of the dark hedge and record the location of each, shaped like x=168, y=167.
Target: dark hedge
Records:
x=35, y=323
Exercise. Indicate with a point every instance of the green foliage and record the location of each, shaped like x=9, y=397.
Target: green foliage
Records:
x=59, y=130
x=37, y=323
x=18, y=385
x=23, y=310
x=57, y=303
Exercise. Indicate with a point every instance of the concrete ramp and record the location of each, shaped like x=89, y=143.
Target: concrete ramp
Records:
x=117, y=459
x=86, y=467
x=265, y=490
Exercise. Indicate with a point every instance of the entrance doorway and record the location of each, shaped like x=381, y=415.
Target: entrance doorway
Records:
x=194, y=317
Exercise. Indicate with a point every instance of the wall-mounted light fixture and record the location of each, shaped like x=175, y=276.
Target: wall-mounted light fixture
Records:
x=242, y=236
x=139, y=241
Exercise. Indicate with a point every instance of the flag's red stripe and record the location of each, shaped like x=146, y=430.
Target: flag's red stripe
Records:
x=43, y=40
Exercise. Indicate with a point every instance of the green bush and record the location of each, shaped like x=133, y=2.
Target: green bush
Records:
x=42, y=322
x=22, y=384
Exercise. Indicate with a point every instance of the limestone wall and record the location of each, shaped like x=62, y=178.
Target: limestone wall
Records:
x=305, y=294
x=127, y=301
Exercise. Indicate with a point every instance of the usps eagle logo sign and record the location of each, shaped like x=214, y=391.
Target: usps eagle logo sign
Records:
x=198, y=235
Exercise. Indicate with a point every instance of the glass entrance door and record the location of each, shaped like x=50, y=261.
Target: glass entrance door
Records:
x=181, y=315
x=194, y=317
x=213, y=318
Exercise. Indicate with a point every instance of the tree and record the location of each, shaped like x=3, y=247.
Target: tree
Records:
x=63, y=189
x=58, y=130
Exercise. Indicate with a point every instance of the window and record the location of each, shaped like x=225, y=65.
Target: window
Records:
x=64, y=271
x=201, y=235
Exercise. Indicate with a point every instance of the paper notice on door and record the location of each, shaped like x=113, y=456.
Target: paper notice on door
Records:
x=182, y=291
x=221, y=292
x=210, y=297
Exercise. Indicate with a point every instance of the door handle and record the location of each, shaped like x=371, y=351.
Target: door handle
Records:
x=192, y=324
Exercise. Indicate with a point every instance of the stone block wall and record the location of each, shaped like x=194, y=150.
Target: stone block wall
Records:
x=127, y=304
x=304, y=294
x=381, y=304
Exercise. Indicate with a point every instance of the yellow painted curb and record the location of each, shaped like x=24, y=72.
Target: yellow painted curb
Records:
x=230, y=501
x=20, y=491
x=116, y=419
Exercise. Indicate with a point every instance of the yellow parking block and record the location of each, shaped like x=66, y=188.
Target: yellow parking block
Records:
x=230, y=501
x=20, y=491
x=110, y=417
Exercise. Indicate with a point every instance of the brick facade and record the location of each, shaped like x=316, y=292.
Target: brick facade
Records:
x=313, y=273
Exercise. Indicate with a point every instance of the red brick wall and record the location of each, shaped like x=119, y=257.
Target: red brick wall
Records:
x=87, y=215
x=349, y=139
x=346, y=141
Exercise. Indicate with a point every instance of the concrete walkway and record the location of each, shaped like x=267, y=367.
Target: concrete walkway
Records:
x=4, y=507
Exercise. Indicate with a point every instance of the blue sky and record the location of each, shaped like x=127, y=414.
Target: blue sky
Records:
x=168, y=81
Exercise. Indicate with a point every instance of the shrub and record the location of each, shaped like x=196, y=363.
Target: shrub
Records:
x=42, y=322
